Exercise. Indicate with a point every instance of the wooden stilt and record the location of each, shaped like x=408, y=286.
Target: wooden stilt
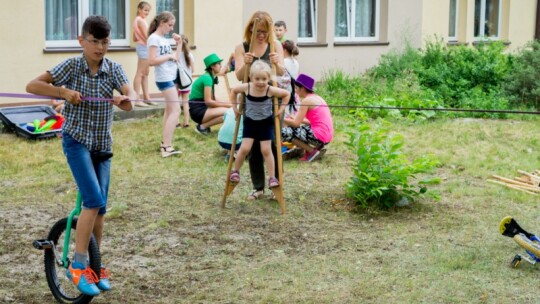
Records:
x=229, y=186
x=278, y=191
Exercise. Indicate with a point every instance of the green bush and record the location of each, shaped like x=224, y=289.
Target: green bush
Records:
x=452, y=73
x=382, y=174
x=448, y=73
x=522, y=83
x=352, y=94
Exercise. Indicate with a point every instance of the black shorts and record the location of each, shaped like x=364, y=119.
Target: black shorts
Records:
x=259, y=129
x=197, y=109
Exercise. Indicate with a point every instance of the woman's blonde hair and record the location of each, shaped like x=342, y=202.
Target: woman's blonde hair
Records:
x=265, y=22
x=260, y=66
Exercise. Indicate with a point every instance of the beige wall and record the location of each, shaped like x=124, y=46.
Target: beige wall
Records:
x=517, y=21
x=399, y=29
x=217, y=26
x=521, y=22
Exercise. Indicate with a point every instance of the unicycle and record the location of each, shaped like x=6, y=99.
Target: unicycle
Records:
x=528, y=241
x=59, y=244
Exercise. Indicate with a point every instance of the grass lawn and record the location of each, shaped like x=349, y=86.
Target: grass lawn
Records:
x=168, y=241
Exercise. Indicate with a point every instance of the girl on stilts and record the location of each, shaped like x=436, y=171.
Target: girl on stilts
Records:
x=259, y=119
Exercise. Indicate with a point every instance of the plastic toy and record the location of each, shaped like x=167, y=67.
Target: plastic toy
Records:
x=528, y=241
x=52, y=122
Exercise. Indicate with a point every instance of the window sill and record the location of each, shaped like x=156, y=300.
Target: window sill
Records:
x=311, y=44
x=112, y=49
x=480, y=42
x=457, y=43
x=366, y=43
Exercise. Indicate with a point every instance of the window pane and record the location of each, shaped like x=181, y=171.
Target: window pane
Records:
x=491, y=27
x=172, y=6
x=364, y=18
x=452, y=19
x=114, y=11
x=61, y=20
x=477, y=17
x=305, y=18
x=342, y=19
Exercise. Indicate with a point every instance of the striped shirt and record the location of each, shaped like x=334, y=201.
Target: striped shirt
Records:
x=90, y=122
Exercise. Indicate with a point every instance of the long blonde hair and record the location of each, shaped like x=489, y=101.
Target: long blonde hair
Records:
x=185, y=49
x=163, y=17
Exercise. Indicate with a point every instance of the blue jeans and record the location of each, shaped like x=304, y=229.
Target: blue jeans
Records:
x=92, y=177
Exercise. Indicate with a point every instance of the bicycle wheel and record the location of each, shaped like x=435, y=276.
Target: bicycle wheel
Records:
x=527, y=244
x=61, y=287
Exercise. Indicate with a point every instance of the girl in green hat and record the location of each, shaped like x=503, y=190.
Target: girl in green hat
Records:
x=204, y=109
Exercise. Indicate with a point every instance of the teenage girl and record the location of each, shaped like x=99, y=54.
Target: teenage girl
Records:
x=259, y=118
x=140, y=36
x=160, y=56
x=185, y=58
x=290, y=51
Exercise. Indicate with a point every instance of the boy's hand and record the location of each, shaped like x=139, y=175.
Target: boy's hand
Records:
x=117, y=100
x=71, y=96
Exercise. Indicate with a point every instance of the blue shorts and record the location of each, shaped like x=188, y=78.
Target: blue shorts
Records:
x=92, y=177
x=164, y=85
x=142, y=51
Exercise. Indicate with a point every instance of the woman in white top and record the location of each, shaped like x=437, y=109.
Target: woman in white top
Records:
x=161, y=56
x=290, y=51
x=140, y=30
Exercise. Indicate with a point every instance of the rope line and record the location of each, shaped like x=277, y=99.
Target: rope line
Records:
x=32, y=96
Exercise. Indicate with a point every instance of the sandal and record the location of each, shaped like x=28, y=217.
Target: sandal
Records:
x=273, y=182
x=235, y=176
x=167, y=151
x=255, y=195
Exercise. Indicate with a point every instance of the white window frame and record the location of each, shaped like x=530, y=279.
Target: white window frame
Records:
x=179, y=20
x=313, y=15
x=456, y=22
x=482, y=22
x=352, y=20
x=82, y=14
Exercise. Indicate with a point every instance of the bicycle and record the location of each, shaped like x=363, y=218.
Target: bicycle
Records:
x=56, y=257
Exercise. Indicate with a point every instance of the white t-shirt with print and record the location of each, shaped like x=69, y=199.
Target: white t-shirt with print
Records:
x=167, y=70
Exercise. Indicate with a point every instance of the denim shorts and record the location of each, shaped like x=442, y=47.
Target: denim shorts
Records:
x=164, y=85
x=92, y=177
x=142, y=51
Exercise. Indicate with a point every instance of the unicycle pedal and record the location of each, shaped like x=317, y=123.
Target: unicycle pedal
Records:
x=42, y=244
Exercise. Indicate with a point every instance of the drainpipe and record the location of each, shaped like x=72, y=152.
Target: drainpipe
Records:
x=537, y=29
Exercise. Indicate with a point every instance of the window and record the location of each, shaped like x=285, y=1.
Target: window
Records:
x=357, y=20
x=175, y=7
x=307, y=20
x=487, y=18
x=453, y=20
x=64, y=19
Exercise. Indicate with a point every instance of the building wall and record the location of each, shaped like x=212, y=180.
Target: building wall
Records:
x=396, y=29
x=521, y=22
x=217, y=26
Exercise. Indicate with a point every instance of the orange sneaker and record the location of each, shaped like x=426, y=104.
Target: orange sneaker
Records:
x=104, y=284
x=84, y=279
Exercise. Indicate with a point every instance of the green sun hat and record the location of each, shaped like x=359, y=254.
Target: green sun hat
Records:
x=211, y=59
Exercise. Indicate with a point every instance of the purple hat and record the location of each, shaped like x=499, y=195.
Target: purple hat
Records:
x=305, y=81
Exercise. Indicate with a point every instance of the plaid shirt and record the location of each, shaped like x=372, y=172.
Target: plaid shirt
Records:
x=90, y=122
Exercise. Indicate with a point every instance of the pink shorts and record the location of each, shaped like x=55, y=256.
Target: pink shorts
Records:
x=184, y=91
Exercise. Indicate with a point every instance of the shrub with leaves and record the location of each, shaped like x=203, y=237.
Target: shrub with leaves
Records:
x=522, y=83
x=382, y=175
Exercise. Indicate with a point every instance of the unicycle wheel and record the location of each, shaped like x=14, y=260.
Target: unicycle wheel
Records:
x=63, y=290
